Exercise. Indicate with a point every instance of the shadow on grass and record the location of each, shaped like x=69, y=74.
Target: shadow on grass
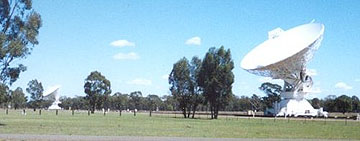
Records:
x=2, y=124
x=181, y=117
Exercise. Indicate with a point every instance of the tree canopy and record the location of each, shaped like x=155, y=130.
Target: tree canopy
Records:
x=272, y=92
x=20, y=25
x=18, y=98
x=180, y=82
x=216, y=78
x=4, y=93
x=153, y=102
x=135, y=100
x=97, y=89
x=120, y=101
x=343, y=103
x=35, y=89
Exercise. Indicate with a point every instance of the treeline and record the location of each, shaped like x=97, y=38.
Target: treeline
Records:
x=331, y=103
x=119, y=101
x=342, y=103
x=196, y=85
x=135, y=100
x=17, y=99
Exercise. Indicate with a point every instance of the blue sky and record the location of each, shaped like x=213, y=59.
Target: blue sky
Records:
x=135, y=43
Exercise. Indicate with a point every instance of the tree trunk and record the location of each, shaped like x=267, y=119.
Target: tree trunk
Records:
x=189, y=112
x=93, y=109
x=184, y=112
x=212, y=112
x=194, y=109
x=216, y=112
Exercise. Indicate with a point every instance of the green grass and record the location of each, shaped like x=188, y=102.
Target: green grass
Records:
x=166, y=125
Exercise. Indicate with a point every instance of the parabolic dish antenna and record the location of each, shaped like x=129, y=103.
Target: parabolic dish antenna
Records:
x=284, y=56
x=285, y=53
x=52, y=94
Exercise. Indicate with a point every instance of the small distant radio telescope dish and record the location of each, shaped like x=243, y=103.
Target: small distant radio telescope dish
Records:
x=52, y=94
x=284, y=56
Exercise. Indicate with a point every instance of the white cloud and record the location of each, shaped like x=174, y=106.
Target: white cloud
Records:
x=122, y=43
x=140, y=81
x=126, y=56
x=311, y=72
x=357, y=80
x=193, y=41
x=342, y=85
x=165, y=76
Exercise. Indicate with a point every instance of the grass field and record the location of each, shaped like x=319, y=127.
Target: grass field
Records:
x=166, y=125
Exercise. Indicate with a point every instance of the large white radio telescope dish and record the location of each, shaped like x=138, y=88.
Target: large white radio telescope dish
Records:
x=52, y=94
x=284, y=56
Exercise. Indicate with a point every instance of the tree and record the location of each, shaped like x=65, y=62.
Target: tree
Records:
x=35, y=89
x=272, y=92
x=181, y=83
x=153, y=101
x=120, y=101
x=233, y=104
x=76, y=103
x=195, y=90
x=329, y=103
x=18, y=98
x=169, y=104
x=135, y=99
x=97, y=89
x=66, y=102
x=355, y=104
x=216, y=78
x=343, y=103
x=316, y=103
x=79, y=102
x=4, y=94
x=20, y=26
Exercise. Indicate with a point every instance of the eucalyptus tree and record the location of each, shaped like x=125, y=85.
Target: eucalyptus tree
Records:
x=355, y=103
x=19, y=25
x=153, y=102
x=136, y=100
x=97, y=89
x=169, y=103
x=272, y=92
x=216, y=78
x=180, y=82
x=18, y=98
x=35, y=89
x=4, y=95
x=120, y=101
x=196, y=91
x=343, y=104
